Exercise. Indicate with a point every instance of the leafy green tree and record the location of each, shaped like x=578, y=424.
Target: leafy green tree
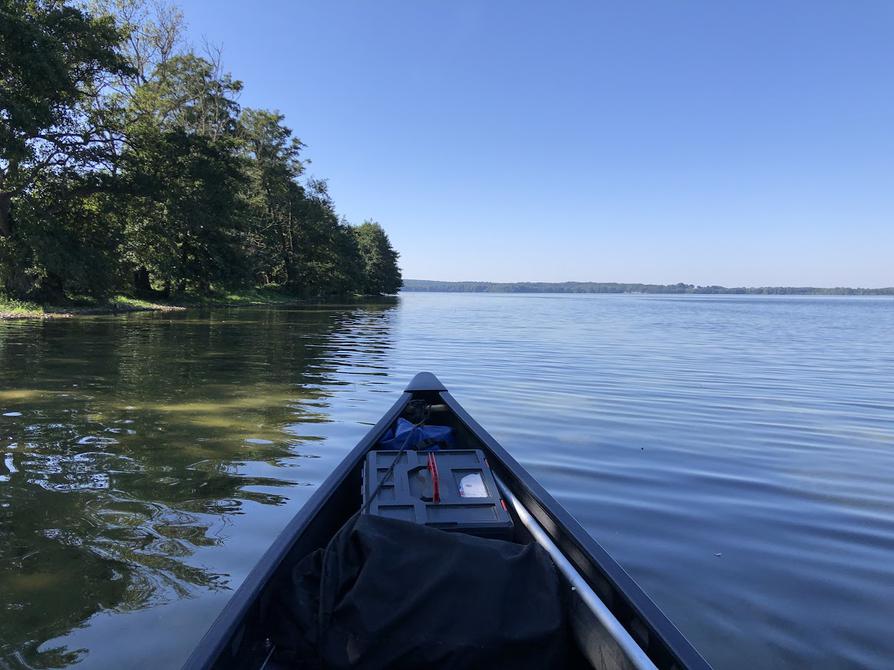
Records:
x=152, y=34
x=183, y=222
x=54, y=61
x=380, y=273
x=190, y=92
x=274, y=196
x=327, y=259
x=72, y=246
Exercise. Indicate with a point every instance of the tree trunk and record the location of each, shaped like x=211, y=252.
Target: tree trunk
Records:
x=290, y=269
x=288, y=258
x=5, y=214
x=141, y=281
x=52, y=289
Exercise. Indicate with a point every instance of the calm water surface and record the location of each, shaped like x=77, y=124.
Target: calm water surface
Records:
x=734, y=454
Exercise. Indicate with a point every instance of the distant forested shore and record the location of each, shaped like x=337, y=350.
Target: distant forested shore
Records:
x=615, y=287
x=129, y=168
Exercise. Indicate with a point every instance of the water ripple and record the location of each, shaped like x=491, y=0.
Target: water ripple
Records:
x=734, y=454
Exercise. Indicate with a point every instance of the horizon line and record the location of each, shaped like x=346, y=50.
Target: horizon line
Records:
x=679, y=285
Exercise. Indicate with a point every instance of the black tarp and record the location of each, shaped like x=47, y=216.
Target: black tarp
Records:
x=392, y=594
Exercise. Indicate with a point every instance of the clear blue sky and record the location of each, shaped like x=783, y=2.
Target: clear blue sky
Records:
x=707, y=142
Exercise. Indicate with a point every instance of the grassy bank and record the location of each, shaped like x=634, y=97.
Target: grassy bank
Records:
x=19, y=309
x=120, y=304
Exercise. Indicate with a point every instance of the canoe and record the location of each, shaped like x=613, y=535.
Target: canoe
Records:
x=614, y=623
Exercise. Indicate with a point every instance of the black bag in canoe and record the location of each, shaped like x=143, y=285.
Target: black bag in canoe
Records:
x=393, y=594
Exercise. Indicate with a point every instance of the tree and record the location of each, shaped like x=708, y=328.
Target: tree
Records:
x=54, y=136
x=184, y=215
x=183, y=175
x=274, y=196
x=71, y=247
x=53, y=61
x=327, y=260
x=380, y=273
x=190, y=92
x=152, y=34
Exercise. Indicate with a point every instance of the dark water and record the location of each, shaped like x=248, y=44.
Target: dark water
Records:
x=735, y=454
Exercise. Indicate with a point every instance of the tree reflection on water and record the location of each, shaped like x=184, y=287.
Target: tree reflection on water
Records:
x=126, y=443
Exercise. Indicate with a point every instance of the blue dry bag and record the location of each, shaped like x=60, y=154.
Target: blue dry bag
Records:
x=424, y=438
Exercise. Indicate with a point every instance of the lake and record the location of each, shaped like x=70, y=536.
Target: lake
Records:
x=735, y=454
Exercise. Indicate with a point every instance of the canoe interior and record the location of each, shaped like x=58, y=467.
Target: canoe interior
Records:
x=238, y=638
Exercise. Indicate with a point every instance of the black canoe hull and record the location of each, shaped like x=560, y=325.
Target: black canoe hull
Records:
x=237, y=637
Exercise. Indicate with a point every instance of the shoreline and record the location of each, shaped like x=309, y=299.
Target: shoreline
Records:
x=19, y=311
x=13, y=310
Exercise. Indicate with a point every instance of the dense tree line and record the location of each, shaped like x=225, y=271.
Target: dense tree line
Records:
x=127, y=164
x=615, y=287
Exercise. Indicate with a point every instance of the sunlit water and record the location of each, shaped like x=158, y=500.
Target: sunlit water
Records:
x=734, y=454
